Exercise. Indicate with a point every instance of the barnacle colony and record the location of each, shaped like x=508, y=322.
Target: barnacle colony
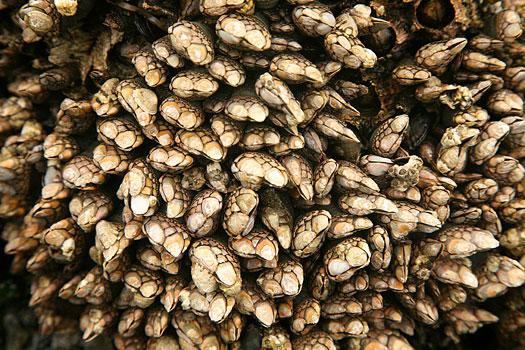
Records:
x=266, y=174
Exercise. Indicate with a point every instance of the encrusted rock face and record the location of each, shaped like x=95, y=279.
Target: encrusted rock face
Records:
x=253, y=174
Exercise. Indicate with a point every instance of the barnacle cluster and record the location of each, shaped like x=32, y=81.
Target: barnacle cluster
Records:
x=264, y=174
